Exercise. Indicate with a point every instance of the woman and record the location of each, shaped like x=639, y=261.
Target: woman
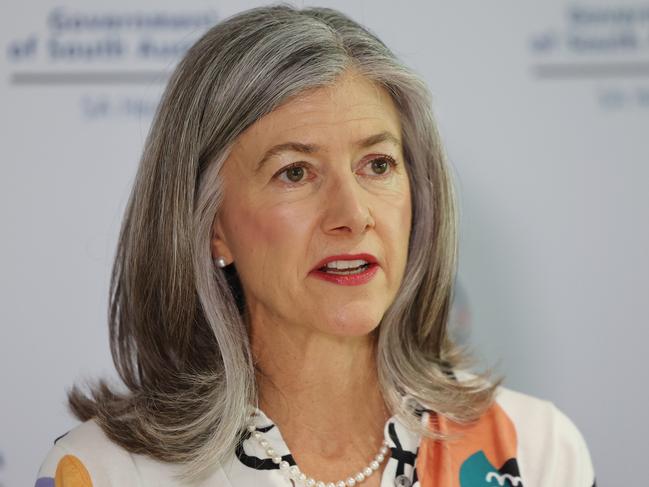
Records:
x=282, y=284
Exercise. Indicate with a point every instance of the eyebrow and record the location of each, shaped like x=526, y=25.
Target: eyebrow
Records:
x=312, y=148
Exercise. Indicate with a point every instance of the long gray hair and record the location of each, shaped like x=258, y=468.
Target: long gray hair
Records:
x=177, y=325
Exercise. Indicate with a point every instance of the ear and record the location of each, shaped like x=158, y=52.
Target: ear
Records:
x=218, y=242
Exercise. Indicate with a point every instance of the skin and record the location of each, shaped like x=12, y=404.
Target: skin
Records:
x=312, y=340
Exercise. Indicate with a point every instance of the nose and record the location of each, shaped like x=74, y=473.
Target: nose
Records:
x=346, y=207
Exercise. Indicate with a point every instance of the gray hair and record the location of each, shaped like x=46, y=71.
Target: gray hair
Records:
x=177, y=324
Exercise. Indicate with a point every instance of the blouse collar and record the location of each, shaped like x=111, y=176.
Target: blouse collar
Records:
x=253, y=466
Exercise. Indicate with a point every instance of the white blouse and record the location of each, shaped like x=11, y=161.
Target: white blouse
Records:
x=520, y=441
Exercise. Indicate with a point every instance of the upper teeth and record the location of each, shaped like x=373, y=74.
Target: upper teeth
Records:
x=345, y=264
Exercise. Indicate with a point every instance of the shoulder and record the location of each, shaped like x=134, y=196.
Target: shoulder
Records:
x=550, y=448
x=519, y=438
x=86, y=457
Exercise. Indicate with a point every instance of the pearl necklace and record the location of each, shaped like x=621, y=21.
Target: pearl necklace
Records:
x=294, y=472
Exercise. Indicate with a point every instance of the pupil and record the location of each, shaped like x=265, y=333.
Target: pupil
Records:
x=295, y=173
x=380, y=166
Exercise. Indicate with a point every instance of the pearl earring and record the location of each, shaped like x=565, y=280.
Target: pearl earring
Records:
x=220, y=261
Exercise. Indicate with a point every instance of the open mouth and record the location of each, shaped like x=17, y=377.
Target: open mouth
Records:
x=346, y=272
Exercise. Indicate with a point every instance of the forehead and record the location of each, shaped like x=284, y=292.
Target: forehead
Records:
x=350, y=108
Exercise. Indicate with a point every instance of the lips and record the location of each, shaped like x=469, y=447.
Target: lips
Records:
x=342, y=274
x=369, y=258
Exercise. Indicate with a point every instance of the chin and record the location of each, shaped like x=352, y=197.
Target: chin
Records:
x=352, y=323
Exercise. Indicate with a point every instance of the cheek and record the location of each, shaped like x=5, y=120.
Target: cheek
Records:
x=397, y=210
x=268, y=237
x=400, y=222
x=401, y=228
x=406, y=213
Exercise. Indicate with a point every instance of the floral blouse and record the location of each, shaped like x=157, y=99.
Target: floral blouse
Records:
x=520, y=441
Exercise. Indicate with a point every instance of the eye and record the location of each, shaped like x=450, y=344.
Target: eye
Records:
x=295, y=173
x=382, y=165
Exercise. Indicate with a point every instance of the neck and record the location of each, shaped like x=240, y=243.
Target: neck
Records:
x=319, y=383
x=322, y=392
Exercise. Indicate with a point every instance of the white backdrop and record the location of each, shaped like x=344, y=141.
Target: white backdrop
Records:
x=544, y=110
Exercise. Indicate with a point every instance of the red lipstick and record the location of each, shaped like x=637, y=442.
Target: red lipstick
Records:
x=355, y=277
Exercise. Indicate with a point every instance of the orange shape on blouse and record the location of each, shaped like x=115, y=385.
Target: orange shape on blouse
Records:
x=70, y=472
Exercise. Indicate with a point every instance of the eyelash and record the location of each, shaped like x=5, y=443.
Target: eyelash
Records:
x=390, y=160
